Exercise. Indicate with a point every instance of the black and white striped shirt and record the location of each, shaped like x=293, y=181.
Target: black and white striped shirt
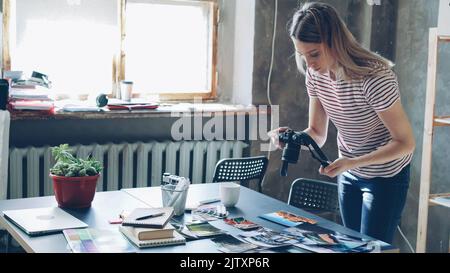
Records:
x=352, y=106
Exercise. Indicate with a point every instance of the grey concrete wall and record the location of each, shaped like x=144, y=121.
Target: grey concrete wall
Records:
x=397, y=30
x=414, y=20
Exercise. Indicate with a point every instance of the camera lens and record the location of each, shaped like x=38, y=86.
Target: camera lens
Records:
x=291, y=152
x=284, y=168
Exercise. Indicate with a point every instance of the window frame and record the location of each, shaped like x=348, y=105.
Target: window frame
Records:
x=118, y=61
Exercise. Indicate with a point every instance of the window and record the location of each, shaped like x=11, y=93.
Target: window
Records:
x=86, y=47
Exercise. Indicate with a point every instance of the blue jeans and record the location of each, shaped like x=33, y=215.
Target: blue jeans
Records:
x=373, y=206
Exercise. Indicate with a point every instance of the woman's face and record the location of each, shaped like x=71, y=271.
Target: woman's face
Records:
x=314, y=55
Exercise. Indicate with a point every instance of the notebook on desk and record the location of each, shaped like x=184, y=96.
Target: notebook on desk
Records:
x=41, y=221
x=134, y=218
x=177, y=239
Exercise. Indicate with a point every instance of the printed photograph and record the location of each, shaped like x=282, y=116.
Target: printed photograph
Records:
x=265, y=237
x=287, y=219
x=204, y=229
x=230, y=244
x=241, y=223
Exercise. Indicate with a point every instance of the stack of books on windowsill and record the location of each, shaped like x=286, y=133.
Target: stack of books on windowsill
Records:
x=39, y=105
x=30, y=99
x=31, y=108
x=29, y=94
x=145, y=230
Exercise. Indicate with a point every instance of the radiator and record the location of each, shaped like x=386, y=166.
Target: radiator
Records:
x=126, y=165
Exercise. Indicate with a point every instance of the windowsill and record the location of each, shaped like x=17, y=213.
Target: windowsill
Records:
x=165, y=110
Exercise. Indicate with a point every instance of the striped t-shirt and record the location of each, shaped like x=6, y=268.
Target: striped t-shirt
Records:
x=352, y=106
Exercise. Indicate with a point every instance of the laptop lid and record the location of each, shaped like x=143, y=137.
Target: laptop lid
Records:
x=40, y=221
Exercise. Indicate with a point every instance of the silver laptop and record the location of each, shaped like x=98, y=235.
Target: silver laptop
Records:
x=40, y=221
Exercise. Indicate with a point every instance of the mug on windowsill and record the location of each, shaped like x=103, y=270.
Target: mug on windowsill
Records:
x=126, y=90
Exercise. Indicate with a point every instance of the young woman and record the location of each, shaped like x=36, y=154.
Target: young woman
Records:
x=357, y=90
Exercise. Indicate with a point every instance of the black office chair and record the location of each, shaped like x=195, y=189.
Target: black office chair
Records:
x=318, y=197
x=241, y=169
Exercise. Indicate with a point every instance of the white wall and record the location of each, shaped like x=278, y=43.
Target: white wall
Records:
x=235, y=64
x=243, y=52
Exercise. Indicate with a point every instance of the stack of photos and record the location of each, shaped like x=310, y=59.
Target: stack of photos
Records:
x=203, y=229
x=318, y=239
x=287, y=218
x=267, y=238
x=209, y=212
x=281, y=249
x=241, y=223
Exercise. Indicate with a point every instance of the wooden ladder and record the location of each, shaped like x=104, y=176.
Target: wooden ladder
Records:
x=431, y=121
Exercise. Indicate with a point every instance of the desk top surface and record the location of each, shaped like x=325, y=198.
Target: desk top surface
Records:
x=108, y=205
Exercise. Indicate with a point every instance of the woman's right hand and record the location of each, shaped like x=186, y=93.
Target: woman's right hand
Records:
x=274, y=136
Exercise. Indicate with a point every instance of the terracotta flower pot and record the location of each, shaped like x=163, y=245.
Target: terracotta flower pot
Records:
x=74, y=192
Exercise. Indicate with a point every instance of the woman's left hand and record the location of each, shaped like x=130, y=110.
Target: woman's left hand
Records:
x=339, y=166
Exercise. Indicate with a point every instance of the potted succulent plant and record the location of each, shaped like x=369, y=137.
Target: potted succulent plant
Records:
x=74, y=179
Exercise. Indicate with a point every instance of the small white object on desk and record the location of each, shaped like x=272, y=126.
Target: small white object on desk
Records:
x=229, y=193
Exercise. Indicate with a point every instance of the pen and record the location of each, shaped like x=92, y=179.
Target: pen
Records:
x=150, y=216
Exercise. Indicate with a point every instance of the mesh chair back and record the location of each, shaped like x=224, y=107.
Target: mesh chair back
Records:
x=241, y=169
x=314, y=194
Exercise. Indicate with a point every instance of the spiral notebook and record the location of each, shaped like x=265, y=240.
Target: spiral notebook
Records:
x=177, y=239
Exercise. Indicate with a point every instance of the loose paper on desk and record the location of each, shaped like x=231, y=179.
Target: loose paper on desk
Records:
x=80, y=108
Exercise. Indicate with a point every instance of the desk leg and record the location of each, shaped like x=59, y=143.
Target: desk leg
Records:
x=4, y=240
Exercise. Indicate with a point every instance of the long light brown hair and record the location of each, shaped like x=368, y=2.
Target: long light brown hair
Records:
x=320, y=23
